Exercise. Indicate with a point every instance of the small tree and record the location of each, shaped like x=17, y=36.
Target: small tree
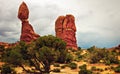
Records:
x=16, y=56
x=46, y=56
x=40, y=54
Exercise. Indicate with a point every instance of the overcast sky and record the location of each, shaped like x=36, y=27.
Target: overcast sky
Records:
x=97, y=21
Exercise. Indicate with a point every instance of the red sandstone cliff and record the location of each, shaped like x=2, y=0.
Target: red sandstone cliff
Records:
x=27, y=32
x=65, y=29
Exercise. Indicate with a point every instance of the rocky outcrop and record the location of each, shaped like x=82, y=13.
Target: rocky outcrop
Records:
x=27, y=32
x=65, y=29
x=7, y=45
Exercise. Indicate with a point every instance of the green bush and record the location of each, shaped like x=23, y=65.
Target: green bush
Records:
x=101, y=70
x=56, y=70
x=79, y=48
x=69, y=58
x=93, y=68
x=63, y=66
x=73, y=65
x=56, y=65
x=96, y=54
x=78, y=56
x=106, y=68
x=117, y=69
x=82, y=67
x=84, y=71
x=112, y=67
x=97, y=73
x=6, y=69
x=107, y=62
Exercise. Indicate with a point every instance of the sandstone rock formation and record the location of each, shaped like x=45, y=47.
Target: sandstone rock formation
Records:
x=65, y=29
x=7, y=45
x=27, y=32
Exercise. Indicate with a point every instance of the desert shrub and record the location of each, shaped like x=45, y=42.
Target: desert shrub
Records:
x=79, y=48
x=111, y=67
x=73, y=65
x=63, y=66
x=111, y=58
x=6, y=69
x=56, y=65
x=84, y=71
x=83, y=66
x=91, y=49
x=96, y=54
x=56, y=70
x=107, y=62
x=117, y=69
x=93, y=68
x=69, y=58
x=106, y=68
x=78, y=56
x=97, y=73
x=98, y=69
x=64, y=57
x=101, y=70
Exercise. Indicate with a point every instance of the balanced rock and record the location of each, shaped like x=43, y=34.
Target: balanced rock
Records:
x=23, y=12
x=27, y=32
x=65, y=29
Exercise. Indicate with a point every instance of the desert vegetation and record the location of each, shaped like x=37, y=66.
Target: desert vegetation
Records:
x=48, y=55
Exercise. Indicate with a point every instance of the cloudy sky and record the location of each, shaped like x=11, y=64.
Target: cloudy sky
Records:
x=97, y=21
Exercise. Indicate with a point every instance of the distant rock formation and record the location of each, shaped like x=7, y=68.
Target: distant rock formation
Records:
x=7, y=45
x=27, y=32
x=65, y=29
x=115, y=49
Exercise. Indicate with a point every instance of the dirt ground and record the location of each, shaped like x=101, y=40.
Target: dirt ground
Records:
x=67, y=70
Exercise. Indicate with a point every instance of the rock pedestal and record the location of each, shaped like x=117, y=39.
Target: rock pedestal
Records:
x=27, y=32
x=65, y=29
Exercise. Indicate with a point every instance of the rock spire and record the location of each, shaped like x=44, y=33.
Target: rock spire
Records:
x=27, y=32
x=65, y=29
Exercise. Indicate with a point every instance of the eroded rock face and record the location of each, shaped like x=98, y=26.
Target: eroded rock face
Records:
x=27, y=32
x=65, y=29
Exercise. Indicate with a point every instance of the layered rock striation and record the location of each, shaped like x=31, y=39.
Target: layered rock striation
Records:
x=27, y=32
x=65, y=29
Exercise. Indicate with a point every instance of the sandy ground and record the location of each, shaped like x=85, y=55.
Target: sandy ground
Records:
x=67, y=70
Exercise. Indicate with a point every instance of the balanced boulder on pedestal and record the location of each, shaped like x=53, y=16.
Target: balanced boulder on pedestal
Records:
x=27, y=32
x=65, y=29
